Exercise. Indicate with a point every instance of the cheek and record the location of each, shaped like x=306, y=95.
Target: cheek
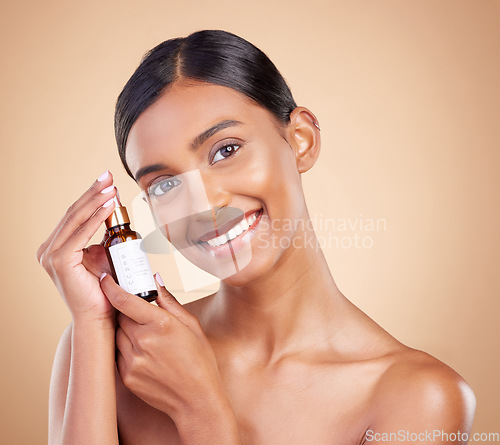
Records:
x=272, y=177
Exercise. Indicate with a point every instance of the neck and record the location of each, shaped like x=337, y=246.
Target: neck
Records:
x=293, y=307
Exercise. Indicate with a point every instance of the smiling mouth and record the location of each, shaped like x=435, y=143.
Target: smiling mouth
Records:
x=231, y=233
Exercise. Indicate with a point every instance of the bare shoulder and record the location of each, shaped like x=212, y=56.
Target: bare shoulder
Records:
x=417, y=371
x=410, y=381
x=419, y=392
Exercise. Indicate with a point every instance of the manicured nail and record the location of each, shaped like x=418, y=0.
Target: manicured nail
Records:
x=108, y=202
x=159, y=280
x=103, y=176
x=108, y=189
x=102, y=276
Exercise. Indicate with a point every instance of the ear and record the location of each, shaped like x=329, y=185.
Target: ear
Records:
x=304, y=137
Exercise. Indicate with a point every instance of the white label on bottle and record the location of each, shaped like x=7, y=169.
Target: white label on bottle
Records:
x=132, y=267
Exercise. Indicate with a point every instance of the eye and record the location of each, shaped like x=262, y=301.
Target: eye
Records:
x=225, y=151
x=162, y=187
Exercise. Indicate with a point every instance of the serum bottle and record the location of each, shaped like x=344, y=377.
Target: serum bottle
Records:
x=129, y=263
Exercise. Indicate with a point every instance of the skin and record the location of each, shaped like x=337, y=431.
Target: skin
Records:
x=278, y=355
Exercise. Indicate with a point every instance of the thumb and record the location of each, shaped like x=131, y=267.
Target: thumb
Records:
x=167, y=301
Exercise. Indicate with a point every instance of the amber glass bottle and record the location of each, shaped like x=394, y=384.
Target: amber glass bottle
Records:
x=129, y=263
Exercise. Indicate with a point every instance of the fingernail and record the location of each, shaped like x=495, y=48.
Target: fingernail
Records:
x=159, y=280
x=108, y=202
x=103, y=176
x=102, y=276
x=108, y=189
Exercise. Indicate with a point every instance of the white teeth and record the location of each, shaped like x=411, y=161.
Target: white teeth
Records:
x=238, y=229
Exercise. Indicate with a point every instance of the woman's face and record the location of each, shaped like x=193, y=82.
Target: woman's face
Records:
x=208, y=158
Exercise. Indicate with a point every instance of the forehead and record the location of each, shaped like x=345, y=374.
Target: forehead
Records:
x=182, y=113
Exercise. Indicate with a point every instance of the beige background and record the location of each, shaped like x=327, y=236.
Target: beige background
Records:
x=407, y=95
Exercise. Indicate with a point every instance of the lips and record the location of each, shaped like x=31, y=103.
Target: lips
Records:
x=226, y=227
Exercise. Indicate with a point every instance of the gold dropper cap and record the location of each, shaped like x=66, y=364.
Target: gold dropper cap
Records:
x=119, y=215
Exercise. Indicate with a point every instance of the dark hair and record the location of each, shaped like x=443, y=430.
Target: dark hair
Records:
x=211, y=56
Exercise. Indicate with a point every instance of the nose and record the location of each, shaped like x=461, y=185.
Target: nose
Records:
x=218, y=197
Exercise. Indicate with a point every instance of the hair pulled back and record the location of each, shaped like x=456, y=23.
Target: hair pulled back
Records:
x=212, y=56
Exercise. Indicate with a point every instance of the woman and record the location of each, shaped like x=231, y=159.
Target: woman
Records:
x=277, y=355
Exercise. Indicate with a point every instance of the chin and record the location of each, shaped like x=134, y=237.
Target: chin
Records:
x=250, y=274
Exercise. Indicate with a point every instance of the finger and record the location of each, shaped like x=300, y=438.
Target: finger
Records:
x=131, y=305
x=127, y=325
x=82, y=235
x=80, y=216
x=168, y=302
x=123, y=342
x=121, y=364
x=105, y=180
x=77, y=213
x=95, y=260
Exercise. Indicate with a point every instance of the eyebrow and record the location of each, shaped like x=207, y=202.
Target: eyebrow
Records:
x=197, y=142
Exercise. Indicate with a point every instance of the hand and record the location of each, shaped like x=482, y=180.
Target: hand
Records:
x=73, y=268
x=163, y=354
